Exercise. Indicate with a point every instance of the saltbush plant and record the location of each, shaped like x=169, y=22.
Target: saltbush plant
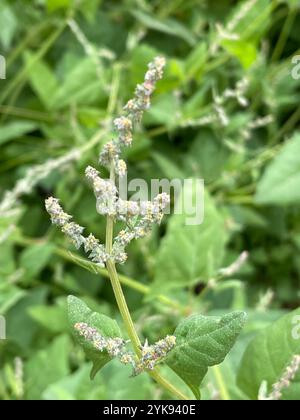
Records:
x=156, y=306
x=198, y=342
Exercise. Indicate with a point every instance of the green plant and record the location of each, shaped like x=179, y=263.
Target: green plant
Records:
x=198, y=342
x=226, y=111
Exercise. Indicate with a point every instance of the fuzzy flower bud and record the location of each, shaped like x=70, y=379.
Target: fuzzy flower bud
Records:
x=285, y=381
x=58, y=216
x=152, y=355
x=124, y=127
x=121, y=167
x=97, y=252
x=62, y=219
x=144, y=214
x=105, y=192
x=141, y=102
x=110, y=153
x=74, y=231
x=127, y=359
x=115, y=347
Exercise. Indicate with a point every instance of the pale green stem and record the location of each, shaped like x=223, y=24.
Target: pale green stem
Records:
x=284, y=35
x=122, y=304
x=94, y=268
x=221, y=383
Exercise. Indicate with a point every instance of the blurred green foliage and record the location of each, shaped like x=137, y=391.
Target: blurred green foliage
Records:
x=226, y=111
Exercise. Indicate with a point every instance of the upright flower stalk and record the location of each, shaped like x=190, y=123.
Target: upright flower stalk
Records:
x=138, y=218
x=283, y=383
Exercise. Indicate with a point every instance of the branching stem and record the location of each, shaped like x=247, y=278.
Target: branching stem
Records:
x=123, y=308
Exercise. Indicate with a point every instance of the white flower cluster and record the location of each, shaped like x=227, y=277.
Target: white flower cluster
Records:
x=235, y=266
x=74, y=232
x=141, y=102
x=237, y=93
x=134, y=110
x=139, y=217
x=124, y=126
x=116, y=347
x=285, y=380
x=105, y=192
x=152, y=355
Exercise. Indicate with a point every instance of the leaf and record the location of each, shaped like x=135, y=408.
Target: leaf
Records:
x=198, y=159
x=8, y=25
x=163, y=110
x=250, y=19
x=35, y=258
x=78, y=311
x=111, y=385
x=189, y=254
x=168, y=26
x=46, y=367
x=244, y=51
x=16, y=129
x=268, y=355
x=293, y=4
x=168, y=167
x=73, y=387
x=9, y=296
x=81, y=86
x=280, y=183
x=89, y=9
x=21, y=329
x=195, y=61
x=52, y=318
x=202, y=342
x=255, y=320
x=42, y=80
x=7, y=261
x=54, y=5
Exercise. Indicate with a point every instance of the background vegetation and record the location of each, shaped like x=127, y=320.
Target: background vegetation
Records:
x=71, y=66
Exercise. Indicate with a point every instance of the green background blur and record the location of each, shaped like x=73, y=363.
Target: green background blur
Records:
x=226, y=111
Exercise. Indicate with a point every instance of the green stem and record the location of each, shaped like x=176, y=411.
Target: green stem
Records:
x=27, y=113
x=122, y=304
x=95, y=269
x=165, y=384
x=221, y=383
x=284, y=35
x=124, y=311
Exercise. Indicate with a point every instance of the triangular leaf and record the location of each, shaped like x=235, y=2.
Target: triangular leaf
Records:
x=78, y=311
x=203, y=342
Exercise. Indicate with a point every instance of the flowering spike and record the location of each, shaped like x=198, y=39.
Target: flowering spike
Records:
x=152, y=355
x=134, y=110
x=284, y=382
x=115, y=347
x=74, y=232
